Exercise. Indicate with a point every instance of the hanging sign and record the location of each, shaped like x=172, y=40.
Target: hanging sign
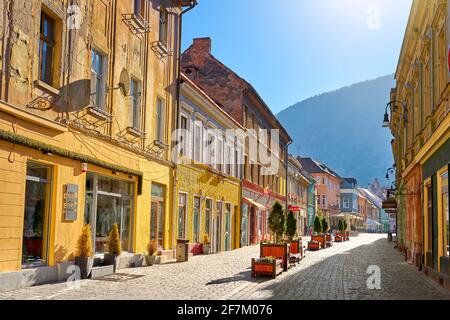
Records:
x=70, y=203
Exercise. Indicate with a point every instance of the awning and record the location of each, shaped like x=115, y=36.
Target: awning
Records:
x=371, y=222
x=254, y=203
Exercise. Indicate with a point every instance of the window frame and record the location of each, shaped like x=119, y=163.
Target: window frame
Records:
x=50, y=42
x=136, y=108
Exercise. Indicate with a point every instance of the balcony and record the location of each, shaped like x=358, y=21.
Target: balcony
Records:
x=136, y=23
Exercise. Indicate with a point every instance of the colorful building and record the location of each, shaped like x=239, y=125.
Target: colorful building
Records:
x=298, y=186
x=328, y=185
x=84, y=131
x=264, y=180
x=350, y=204
x=420, y=123
x=208, y=176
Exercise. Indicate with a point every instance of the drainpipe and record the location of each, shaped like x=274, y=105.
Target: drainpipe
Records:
x=287, y=173
x=177, y=114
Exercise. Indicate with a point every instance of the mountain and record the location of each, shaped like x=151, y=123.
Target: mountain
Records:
x=343, y=129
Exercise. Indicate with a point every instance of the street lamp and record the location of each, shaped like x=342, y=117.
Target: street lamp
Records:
x=386, y=122
x=390, y=171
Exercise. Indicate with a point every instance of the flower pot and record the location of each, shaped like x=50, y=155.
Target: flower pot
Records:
x=206, y=248
x=138, y=261
x=85, y=265
x=112, y=260
x=150, y=260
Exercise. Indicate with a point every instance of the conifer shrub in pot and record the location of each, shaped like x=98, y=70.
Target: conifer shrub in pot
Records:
x=152, y=252
x=84, y=259
x=114, y=248
x=291, y=226
x=318, y=235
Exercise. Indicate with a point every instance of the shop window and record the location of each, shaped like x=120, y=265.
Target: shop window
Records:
x=157, y=214
x=445, y=213
x=430, y=217
x=182, y=200
x=196, y=222
x=47, y=44
x=37, y=209
x=114, y=201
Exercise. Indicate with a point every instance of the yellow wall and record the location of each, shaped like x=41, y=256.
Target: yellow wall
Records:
x=196, y=180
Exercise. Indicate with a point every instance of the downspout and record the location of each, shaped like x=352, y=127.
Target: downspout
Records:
x=177, y=115
x=287, y=173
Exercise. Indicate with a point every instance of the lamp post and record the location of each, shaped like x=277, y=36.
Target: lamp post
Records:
x=386, y=122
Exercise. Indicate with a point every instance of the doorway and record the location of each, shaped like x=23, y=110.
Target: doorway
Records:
x=157, y=215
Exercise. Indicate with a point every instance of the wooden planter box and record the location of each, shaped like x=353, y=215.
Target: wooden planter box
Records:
x=279, y=251
x=320, y=239
x=296, y=251
x=314, y=246
x=267, y=269
x=338, y=238
x=329, y=240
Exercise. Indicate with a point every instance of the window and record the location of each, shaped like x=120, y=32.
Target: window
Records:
x=135, y=104
x=219, y=160
x=182, y=216
x=346, y=204
x=196, y=221
x=228, y=159
x=163, y=20
x=184, y=138
x=157, y=214
x=198, y=141
x=98, y=80
x=160, y=118
x=47, y=45
x=445, y=213
x=208, y=211
x=246, y=177
x=139, y=9
x=36, y=216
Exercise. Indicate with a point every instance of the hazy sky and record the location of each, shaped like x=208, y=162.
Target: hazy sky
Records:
x=291, y=50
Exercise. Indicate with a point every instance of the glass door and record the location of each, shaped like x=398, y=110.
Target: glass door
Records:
x=157, y=215
x=228, y=227
x=218, y=227
x=36, y=215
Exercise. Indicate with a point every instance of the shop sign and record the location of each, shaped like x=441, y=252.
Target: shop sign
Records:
x=294, y=208
x=70, y=208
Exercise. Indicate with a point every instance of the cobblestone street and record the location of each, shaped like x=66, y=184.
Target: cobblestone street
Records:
x=339, y=272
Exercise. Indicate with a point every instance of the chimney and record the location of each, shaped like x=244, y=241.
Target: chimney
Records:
x=203, y=44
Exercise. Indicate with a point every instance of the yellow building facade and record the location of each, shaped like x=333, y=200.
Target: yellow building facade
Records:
x=86, y=115
x=208, y=185
x=420, y=124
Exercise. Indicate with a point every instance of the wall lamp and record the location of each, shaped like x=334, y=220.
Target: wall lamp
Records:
x=386, y=122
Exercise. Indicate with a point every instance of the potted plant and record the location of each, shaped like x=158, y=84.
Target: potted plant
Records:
x=318, y=236
x=340, y=236
x=325, y=229
x=277, y=225
x=291, y=226
x=84, y=259
x=267, y=266
x=152, y=252
x=114, y=248
x=206, y=244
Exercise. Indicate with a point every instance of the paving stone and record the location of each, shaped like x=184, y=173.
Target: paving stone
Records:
x=339, y=272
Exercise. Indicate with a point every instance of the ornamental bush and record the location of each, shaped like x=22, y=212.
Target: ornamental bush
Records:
x=324, y=225
x=291, y=225
x=114, y=245
x=84, y=245
x=317, y=225
x=277, y=221
x=341, y=226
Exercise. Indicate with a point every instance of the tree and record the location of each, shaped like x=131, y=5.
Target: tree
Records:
x=345, y=225
x=317, y=225
x=277, y=221
x=341, y=225
x=291, y=225
x=324, y=225
x=114, y=245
